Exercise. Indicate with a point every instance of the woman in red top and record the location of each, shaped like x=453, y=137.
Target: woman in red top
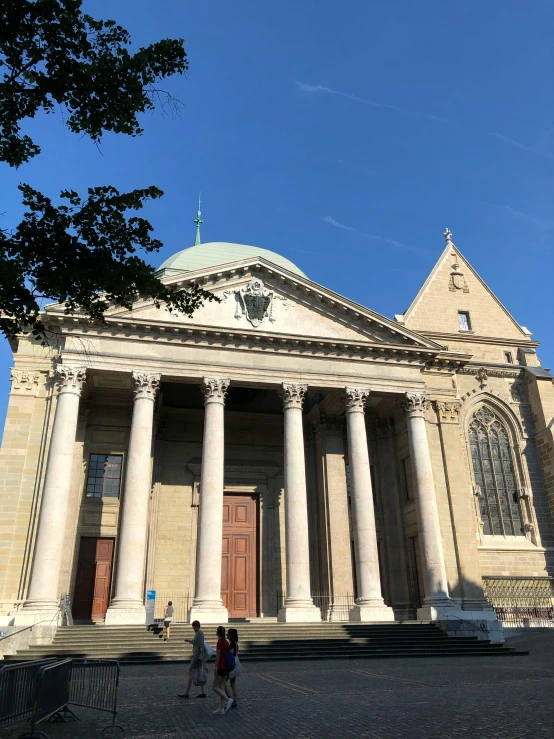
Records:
x=221, y=671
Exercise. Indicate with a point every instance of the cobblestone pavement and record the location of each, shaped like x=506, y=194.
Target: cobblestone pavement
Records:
x=488, y=698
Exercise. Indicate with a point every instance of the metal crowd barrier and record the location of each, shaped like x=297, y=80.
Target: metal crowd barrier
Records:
x=95, y=684
x=44, y=689
x=18, y=685
x=51, y=696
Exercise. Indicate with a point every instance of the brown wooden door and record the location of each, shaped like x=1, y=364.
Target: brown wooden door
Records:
x=92, y=585
x=239, y=562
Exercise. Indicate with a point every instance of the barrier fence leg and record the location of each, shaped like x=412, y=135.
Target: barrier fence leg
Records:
x=113, y=725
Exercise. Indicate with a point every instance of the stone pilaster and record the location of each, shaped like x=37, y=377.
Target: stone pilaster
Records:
x=393, y=539
x=298, y=602
x=207, y=606
x=435, y=581
x=369, y=603
x=42, y=595
x=332, y=507
x=127, y=606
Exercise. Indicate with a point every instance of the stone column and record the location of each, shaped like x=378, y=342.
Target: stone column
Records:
x=207, y=606
x=43, y=595
x=432, y=555
x=298, y=605
x=127, y=606
x=369, y=603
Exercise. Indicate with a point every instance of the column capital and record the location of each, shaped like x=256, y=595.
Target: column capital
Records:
x=292, y=395
x=355, y=399
x=71, y=379
x=414, y=405
x=448, y=410
x=145, y=385
x=215, y=389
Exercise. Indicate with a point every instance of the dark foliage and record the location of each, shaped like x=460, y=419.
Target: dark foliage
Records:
x=82, y=253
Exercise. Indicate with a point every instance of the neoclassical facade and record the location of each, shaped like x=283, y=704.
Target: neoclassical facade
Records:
x=283, y=451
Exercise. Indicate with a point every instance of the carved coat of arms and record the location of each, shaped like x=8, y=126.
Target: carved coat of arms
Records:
x=255, y=302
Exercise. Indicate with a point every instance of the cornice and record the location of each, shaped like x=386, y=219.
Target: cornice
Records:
x=254, y=340
x=492, y=370
x=471, y=338
x=304, y=290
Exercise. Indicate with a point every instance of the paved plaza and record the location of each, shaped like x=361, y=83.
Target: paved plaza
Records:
x=488, y=698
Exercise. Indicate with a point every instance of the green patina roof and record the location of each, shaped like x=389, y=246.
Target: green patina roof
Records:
x=219, y=252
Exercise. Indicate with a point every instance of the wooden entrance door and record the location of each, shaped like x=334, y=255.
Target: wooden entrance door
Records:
x=239, y=562
x=92, y=585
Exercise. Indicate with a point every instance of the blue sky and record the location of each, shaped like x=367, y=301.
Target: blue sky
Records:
x=345, y=136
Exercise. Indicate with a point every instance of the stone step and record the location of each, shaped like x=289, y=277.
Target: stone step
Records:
x=118, y=638
x=451, y=644
x=151, y=658
x=264, y=642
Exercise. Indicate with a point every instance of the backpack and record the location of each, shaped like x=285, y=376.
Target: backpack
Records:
x=230, y=660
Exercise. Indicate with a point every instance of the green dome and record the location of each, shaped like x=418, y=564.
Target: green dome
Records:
x=219, y=252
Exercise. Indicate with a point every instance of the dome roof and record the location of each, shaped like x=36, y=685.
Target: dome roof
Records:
x=219, y=252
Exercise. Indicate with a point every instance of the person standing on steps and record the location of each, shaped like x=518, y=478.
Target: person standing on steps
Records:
x=168, y=618
x=198, y=659
x=231, y=685
x=221, y=672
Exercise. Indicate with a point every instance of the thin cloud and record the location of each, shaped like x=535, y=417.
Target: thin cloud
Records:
x=537, y=221
x=314, y=89
x=373, y=103
x=397, y=244
x=520, y=145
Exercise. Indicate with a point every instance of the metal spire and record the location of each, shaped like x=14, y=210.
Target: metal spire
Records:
x=198, y=221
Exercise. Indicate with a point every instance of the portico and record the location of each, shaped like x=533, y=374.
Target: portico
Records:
x=127, y=601
x=273, y=453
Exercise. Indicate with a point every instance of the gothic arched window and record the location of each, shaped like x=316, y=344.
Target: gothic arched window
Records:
x=493, y=470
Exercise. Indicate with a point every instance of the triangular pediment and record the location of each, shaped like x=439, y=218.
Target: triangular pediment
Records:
x=259, y=296
x=454, y=286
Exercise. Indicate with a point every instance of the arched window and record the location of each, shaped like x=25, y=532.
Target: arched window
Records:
x=493, y=469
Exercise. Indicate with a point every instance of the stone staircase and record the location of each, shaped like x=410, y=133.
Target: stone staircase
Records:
x=266, y=642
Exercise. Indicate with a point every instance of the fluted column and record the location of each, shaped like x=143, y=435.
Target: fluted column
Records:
x=298, y=605
x=127, y=606
x=207, y=606
x=369, y=603
x=43, y=594
x=432, y=555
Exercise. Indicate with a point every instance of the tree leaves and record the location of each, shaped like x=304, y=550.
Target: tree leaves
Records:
x=51, y=52
x=82, y=252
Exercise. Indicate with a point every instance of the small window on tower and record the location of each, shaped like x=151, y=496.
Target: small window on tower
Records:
x=465, y=323
x=508, y=358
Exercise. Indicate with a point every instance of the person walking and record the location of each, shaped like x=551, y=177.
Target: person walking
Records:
x=197, y=661
x=231, y=685
x=221, y=671
x=168, y=618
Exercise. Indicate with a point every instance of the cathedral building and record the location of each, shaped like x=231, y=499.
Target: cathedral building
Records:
x=286, y=452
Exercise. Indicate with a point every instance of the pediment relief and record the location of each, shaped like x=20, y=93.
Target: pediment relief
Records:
x=262, y=297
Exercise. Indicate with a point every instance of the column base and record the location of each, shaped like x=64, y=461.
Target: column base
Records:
x=29, y=616
x=440, y=609
x=299, y=613
x=125, y=615
x=371, y=612
x=209, y=612
x=455, y=622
